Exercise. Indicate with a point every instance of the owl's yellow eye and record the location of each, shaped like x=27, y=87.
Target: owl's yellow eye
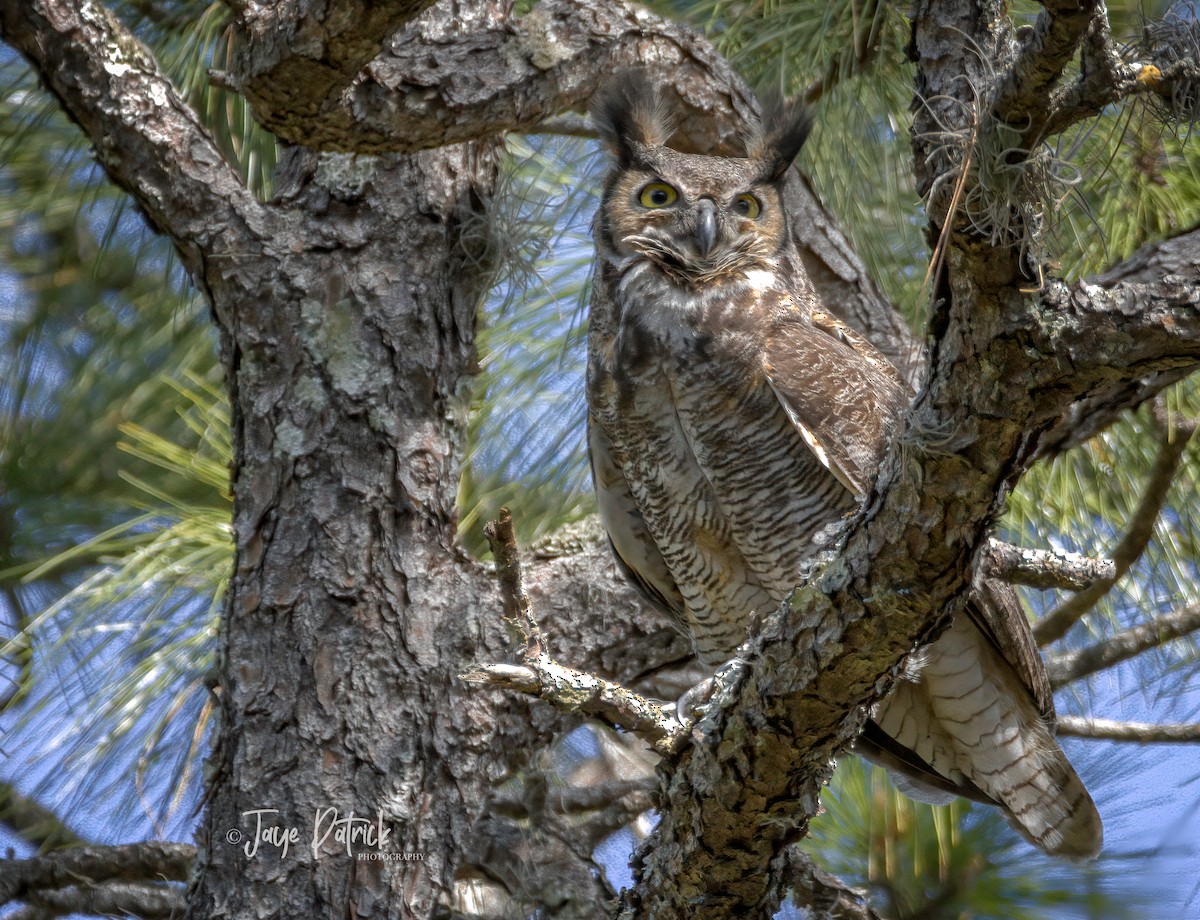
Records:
x=747, y=206
x=657, y=195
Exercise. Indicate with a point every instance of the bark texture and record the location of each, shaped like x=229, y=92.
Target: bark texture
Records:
x=347, y=313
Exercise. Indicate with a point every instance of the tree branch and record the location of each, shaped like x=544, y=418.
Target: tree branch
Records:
x=585, y=694
x=1068, y=667
x=531, y=857
x=293, y=60
x=1174, y=257
x=826, y=895
x=1042, y=568
x=1173, y=439
x=428, y=89
x=1103, y=80
x=80, y=868
x=1089, y=416
x=1046, y=49
x=126, y=899
x=1131, y=328
x=595, y=810
x=541, y=676
x=1139, y=732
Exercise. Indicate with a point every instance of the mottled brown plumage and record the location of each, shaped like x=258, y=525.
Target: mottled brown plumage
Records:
x=734, y=425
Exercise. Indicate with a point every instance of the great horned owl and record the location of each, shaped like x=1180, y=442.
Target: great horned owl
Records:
x=733, y=423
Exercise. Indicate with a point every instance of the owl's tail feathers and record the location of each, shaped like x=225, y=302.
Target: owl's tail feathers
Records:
x=1024, y=772
x=1005, y=748
x=1043, y=797
x=964, y=724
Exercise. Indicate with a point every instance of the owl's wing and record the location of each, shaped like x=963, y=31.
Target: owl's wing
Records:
x=843, y=396
x=637, y=553
x=844, y=399
x=995, y=610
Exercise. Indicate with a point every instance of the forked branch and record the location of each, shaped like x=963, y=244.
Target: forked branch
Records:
x=540, y=675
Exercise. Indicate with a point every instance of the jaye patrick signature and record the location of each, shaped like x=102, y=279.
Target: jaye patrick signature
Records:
x=328, y=825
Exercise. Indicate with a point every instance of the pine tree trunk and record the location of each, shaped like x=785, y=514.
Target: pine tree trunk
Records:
x=346, y=361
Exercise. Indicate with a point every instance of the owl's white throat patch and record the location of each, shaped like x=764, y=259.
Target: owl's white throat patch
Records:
x=760, y=279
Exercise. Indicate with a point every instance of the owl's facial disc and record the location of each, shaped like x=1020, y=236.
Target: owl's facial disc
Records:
x=698, y=220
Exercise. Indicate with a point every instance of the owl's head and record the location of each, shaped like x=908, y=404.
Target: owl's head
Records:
x=700, y=219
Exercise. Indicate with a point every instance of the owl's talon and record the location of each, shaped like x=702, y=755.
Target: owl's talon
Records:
x=691, y=705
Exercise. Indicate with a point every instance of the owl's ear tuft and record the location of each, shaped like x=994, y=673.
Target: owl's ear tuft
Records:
x=781, y=133
x=629, y=112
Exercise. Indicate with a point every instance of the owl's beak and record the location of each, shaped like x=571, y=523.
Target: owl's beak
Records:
x=706, y=226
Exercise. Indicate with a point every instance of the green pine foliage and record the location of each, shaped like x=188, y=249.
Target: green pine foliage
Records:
x=918, y=862
x=526, y=441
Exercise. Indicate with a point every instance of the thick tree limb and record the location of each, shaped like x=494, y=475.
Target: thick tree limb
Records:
x=151, y=861
x=1091, y=415
x=1068, y=667
x=1173, y=441
x=1157, y=322
x=294, y=59
x=1111, y=82
x=430, y=89
x=1155, y=261
x=1104, y=77
x=144, y=135
x=1043, y=568
x=1138, y=732
x=1103, y=80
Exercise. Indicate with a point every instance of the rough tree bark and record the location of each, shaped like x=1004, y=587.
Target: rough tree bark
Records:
x=347, y=316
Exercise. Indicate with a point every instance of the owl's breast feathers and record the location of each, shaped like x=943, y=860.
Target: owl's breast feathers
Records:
x=715, y=476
